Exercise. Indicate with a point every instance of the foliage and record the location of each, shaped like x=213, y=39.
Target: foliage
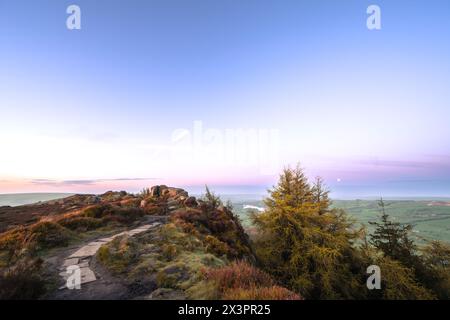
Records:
x=264, y=293
x=112, y=213
x=119, y=254
x=211, y=201
x=398, y=282
x=240, y=281
x=22, y=281
x=392, y=238
x=48, y=234
x=304, y=243
x=436, y=261
x=217, y=226
x=81, y=223
x=429, y=265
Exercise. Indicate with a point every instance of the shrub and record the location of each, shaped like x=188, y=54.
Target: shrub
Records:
x=169, y=251
x=239, y=275
x=47, y=234
x=23, y=281
x=14, y=241
x=127, y=215
x=215, y=246
x=241, y=281
x=96, y=211
x=41, y=235
x=122, y=215
x=81, y=223
x=217, y=226
x=118, y=255
x=256, y=293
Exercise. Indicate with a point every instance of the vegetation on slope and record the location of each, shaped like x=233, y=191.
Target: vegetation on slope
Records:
x=316, y=250
x=301, y=247
x=185, y=257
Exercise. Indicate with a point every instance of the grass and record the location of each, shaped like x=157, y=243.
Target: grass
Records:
x=23, y=281
x=239, y=281
x=119, y=254
x=175, y=258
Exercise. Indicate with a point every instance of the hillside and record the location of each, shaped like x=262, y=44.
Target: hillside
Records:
x=159, y=244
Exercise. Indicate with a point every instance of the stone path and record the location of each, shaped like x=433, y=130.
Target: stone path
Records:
x=83, y=255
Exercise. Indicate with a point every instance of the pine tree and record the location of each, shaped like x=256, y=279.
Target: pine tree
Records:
x=428, y=268
x=321, y=196
x=392, y=238
x=304, y=243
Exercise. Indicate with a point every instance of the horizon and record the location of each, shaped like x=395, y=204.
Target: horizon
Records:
x=247, y=196
x=225, y=94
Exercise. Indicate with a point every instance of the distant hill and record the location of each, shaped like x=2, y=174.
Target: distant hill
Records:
x=18, y=199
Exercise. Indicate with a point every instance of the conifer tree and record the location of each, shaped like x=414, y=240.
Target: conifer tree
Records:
x=304, y=243
x=392, y=238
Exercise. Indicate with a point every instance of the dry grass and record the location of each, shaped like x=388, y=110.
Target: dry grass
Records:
x=242, y=281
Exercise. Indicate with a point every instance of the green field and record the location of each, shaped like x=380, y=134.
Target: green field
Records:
x=430, y=222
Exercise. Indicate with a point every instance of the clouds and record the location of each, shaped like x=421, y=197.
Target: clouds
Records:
x=87, y=182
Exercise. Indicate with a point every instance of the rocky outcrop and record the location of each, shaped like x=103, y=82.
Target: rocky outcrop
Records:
x=167, y=200
x=191, y=202
x=169, y=192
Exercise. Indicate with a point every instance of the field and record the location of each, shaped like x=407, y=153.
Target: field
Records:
x=430, y=219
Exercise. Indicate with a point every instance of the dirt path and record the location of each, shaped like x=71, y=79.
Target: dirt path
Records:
x=96, y=281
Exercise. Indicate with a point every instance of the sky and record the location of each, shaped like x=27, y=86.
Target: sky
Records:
x=225, y=93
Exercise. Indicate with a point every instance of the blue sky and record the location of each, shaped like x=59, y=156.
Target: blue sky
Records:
x=101, y=107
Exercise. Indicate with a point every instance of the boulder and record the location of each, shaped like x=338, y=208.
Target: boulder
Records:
x=170, y=192
x=172, y=203
x=191, y=202
x=174, y=192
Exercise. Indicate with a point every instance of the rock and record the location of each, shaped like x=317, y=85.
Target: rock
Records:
x=170, y=192
x=157, y=191
x=167, y=294
x=143, y=203
x=174, y=192
x=71, y=262
x=172, y=203
x=87, y=275
x=191, y=202
x=88, y=250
